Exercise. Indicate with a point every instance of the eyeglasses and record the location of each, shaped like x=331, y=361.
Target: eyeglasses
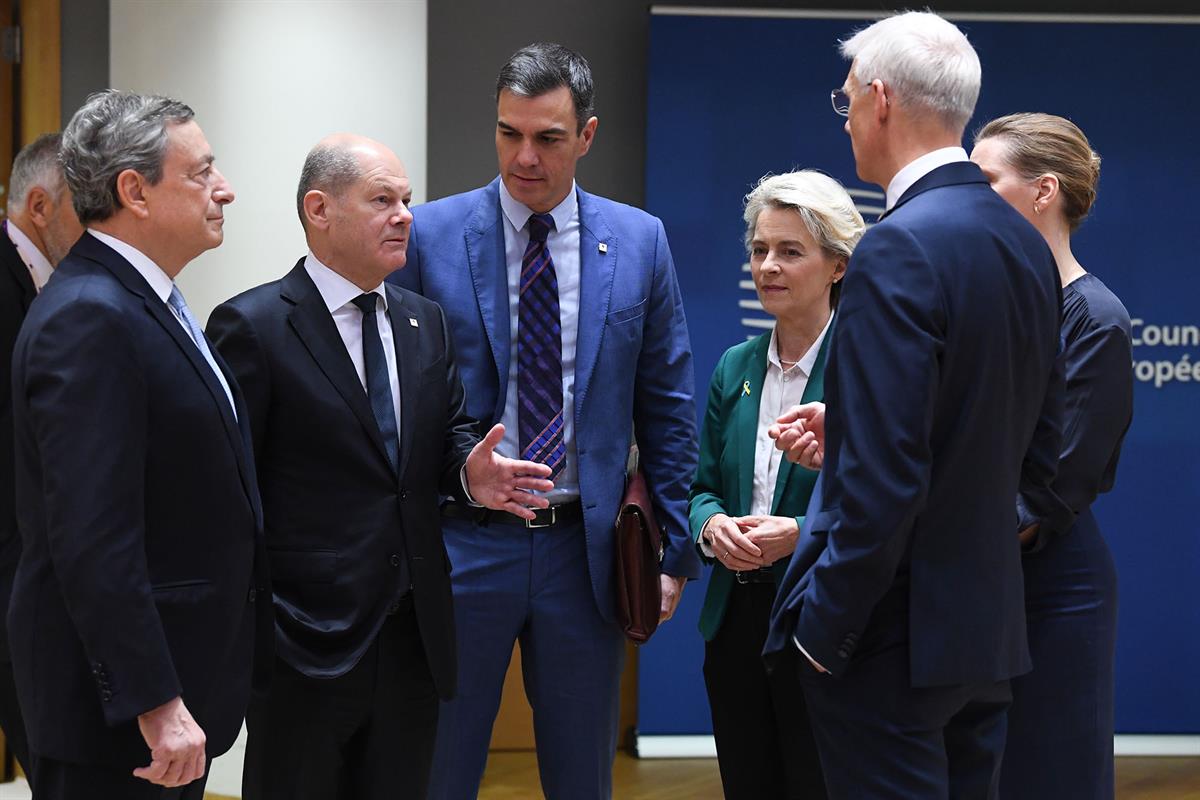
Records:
x=841, y=102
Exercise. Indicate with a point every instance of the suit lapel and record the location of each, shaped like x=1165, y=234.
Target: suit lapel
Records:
x=17, y=267
x=745, y=428
x=92, y=248
x=596, y=270
x=405, y=338
x=814, y=390
x=245, y=449
x=314, y=325
x=484, y=237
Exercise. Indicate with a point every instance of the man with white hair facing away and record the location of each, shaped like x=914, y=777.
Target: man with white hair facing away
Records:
x=40, y=229
x=905, y=591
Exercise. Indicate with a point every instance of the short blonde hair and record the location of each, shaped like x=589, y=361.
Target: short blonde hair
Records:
x=826, y=208
x=1040, y=144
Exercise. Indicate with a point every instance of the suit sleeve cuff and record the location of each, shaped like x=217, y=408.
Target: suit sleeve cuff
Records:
x=816, y=664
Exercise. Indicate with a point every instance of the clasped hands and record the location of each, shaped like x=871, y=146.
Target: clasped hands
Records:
x=800, y=434
x=748, y=543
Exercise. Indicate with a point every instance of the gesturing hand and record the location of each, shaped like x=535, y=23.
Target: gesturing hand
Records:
x=504, y=484
x=800, y=434
x=176, y=745
x=730, y=546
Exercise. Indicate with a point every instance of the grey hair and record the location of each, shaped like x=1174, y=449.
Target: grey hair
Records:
x=112, y=132
x=36, y=165
x=543, y=67
x=824, y=206
x=328, y=168
x=924, y=59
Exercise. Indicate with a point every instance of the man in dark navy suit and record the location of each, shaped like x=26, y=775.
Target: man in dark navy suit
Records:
x=40, y=229
x=133, y=621
x=905, y=590
x=360, y=426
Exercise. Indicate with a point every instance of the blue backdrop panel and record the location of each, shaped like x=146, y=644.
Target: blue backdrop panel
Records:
x=731, y=99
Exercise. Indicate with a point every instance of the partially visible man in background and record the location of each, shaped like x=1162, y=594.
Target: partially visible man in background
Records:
x=40, y=228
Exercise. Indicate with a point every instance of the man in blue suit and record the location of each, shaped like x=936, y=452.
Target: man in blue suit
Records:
x=905, y=591
x=133, y=622
x=569, y=327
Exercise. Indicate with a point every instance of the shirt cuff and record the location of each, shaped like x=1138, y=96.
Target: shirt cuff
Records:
x=702, y=543
x=462, y=478
x=811, y=660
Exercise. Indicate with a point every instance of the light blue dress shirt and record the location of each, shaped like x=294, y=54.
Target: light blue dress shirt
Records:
x=563, y=242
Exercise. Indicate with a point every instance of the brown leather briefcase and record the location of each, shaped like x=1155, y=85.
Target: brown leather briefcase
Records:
x=639, y=552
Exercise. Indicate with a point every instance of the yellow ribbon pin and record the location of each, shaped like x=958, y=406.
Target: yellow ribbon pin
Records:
x=746, y=388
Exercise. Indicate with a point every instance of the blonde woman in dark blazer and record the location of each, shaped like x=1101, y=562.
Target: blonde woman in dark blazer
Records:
x=747, y=502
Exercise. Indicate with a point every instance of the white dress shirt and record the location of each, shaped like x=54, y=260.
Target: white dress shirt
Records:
x=338, y=294
x=918, y=168
x=161, y=284
x=782, y=389
x=563, y=243
x=39, y=266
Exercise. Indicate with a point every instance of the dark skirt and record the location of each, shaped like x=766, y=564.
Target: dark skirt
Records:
x=1060, y=726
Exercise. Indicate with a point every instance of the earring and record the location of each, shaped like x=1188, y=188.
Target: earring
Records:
x=1037, y=208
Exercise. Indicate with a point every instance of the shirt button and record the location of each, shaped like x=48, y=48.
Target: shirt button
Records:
x=395, y=560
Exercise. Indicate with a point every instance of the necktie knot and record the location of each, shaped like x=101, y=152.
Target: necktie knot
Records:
x=540, y=226
x=176, y=302
x=366, y=302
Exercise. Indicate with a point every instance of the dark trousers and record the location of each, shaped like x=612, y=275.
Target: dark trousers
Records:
x=1060, y=726
x=366, y=734
x=60, y=780
x=881, y=738
x=765, y=745
x=11, y=721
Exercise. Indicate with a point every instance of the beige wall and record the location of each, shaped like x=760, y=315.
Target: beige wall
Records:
x=267, y=79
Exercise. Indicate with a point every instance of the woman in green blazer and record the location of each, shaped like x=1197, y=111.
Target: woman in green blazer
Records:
x=747, y=502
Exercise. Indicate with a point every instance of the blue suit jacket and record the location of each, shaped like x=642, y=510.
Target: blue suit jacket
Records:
x=943, y=397
x=140, y=521
x=633, y=356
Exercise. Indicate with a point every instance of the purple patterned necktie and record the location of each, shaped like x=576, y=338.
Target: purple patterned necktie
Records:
x=539, y=354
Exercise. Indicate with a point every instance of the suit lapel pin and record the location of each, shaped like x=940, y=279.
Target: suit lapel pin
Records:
x=603, y=248
x=413, y=321
x=746, y=388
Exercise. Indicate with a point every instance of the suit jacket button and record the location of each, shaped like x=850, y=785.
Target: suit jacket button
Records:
x=395, y=560
x=403, y=494
x=843, y=653
x=250, y=596
x=107, y=695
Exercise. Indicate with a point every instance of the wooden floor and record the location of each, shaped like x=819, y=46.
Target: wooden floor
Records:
x=513, y=776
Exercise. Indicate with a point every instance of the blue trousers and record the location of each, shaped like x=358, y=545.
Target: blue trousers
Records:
x=1060, y=726
x=532, y=585
x=880, y=738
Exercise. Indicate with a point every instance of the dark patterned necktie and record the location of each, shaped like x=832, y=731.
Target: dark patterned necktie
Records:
x=539, y=354
x=379, y=384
